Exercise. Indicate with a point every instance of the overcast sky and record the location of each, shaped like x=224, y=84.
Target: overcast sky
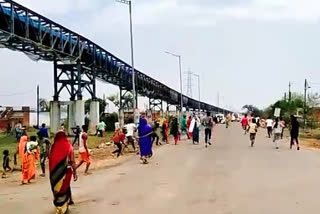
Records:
x=245, y=50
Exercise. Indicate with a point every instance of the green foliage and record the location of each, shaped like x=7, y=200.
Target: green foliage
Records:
x=287, y=107
x=127, y=100
x=110, y=120
x=115, y=99
x=253, y=109
x=102, y=105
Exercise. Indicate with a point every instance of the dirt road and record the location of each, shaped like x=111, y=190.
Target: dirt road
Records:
x=229, y=177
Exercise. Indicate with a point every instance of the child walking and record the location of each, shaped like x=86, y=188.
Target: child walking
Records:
x=253, y=129
x=5, y=164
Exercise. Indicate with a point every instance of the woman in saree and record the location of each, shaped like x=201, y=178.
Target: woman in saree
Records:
x=62, y=166
x=30, y=156
x=174, y=130
x=22, y=146
x=194, y=128
x=145, y=142
x=165, y=130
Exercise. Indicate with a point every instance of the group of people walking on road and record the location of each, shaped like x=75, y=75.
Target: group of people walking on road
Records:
x=62, y=164
x=274, y=128
x=60, y=153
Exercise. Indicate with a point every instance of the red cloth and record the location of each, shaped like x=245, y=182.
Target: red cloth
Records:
x=188, y=123
x=244, y=121
x=85, y=157
x=60, y=149
x=120, y=137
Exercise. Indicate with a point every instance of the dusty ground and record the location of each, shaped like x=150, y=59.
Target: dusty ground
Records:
x=229, y=177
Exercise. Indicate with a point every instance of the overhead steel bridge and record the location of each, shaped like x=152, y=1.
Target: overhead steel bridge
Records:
x=78, y=61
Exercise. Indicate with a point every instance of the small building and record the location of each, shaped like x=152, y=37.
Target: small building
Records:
x=11, y=116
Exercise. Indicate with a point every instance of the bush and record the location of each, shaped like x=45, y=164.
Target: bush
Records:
x=110, y=120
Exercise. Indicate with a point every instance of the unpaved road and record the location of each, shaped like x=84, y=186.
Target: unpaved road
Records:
x=229, y=177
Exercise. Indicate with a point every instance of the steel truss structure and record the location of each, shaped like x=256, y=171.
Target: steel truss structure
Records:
x=74, y=78
x=24, y=30
x=155, y=104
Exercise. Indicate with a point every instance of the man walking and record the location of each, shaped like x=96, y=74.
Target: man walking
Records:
x=208, y=123
x=131, y=128
x=183, y=126
x=245, y=123
x=269, y=122
x=101, y=128
x=83, y=149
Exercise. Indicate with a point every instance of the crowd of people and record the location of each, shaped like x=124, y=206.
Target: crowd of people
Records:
x=63, y=165
x=275, y=128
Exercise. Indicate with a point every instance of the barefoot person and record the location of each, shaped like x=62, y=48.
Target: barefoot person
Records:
x=194, y=127
x=31, y=155
x=165, y=130
x=62, y=166
x=245, y=123
x=83, y=149
x=174, y=130
x=269, y=122
x=253, y=129
x=294, y=132
x=277, y=129
x=22, y=146
x=145, y=143
x=44, y=145
x=131, y=128
x=188, y=127
x=208, y=124
x=118, y=140
x=6, y=163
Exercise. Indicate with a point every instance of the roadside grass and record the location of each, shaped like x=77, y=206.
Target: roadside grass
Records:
x=310, y=134
x=95, y=141
x=9, y=142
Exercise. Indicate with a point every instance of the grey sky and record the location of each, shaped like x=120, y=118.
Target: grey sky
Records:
x=247, y=50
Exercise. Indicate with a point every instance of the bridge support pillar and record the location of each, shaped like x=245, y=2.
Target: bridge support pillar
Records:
x=79, y=112
x=71, y=117
x=55, y=116
x=121, y=117
x=94, y=115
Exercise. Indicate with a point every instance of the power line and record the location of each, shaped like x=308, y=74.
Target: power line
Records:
x=16, y=94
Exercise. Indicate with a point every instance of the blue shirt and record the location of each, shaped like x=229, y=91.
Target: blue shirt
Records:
x=44, y=132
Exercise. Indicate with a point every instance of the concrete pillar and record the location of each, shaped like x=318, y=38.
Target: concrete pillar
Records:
x=121, y=117
x=71, y=117
x=55, y=116
x=79, y=112
x=178, y=114
x=94, y=116
x=149, y=116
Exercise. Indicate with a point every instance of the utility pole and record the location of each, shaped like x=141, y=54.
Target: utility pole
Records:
x=180, y=73
x=197, y=75
x=134, y=93
x=38, y=106
x=218, y=99
x=306, y=87
x=285, y=96
x=289, y=91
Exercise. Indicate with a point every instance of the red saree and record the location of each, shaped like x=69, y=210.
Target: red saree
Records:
x=61, y=172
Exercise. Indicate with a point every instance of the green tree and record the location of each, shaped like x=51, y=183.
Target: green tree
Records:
x=252, y=109
x=102, y=105
x=127, y=102
x=292, y=107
